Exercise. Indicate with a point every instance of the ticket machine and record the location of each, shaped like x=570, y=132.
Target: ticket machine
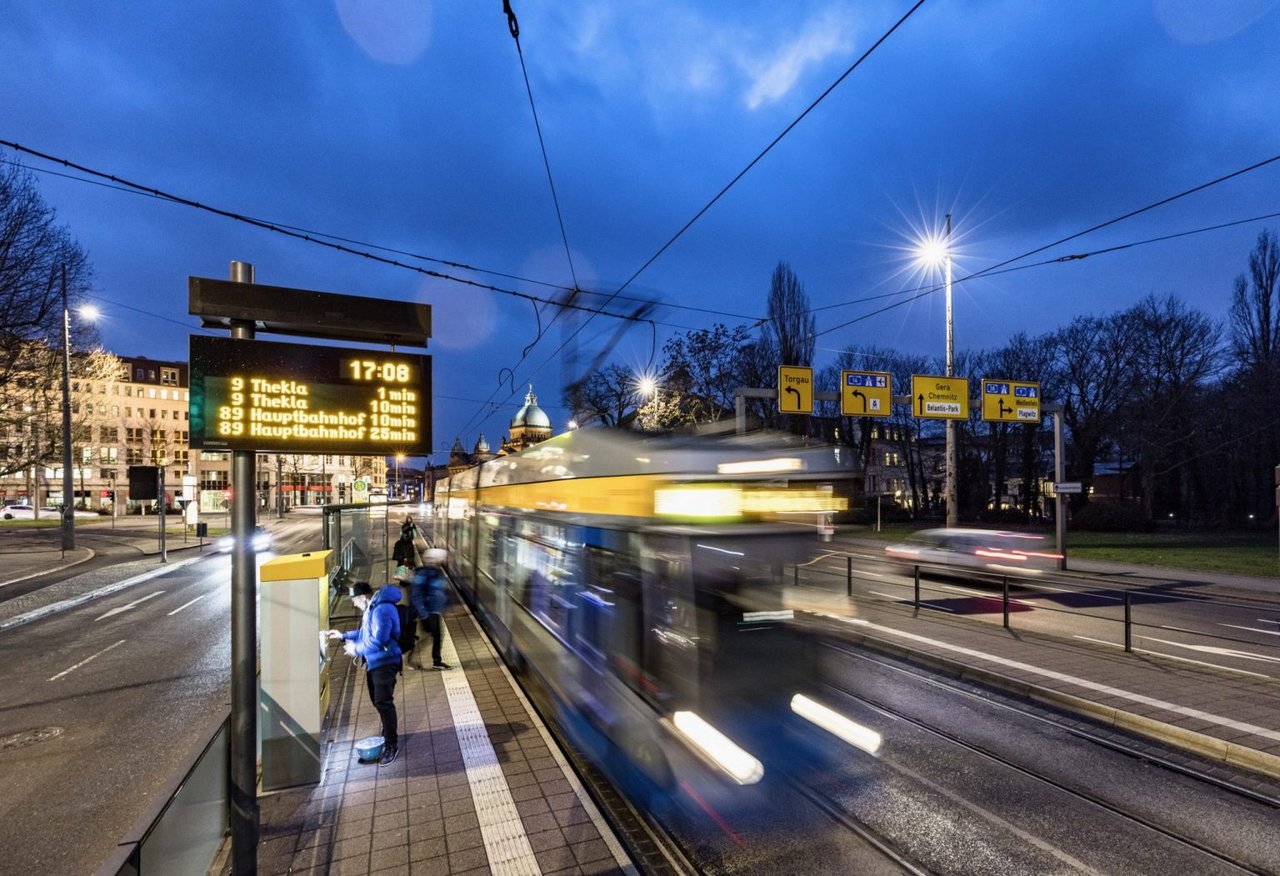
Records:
x=294, y=696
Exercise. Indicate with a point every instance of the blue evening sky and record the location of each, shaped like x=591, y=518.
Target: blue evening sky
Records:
x=405, y=124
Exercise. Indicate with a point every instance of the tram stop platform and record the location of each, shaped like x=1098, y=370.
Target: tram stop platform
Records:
x=479, y=786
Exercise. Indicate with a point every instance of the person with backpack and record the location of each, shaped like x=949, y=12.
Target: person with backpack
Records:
x=376, y=643
x=428, y=590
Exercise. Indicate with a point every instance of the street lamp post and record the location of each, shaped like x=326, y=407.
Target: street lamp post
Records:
x=934, y=252
x=68, y=482
x=953, y=510
x=399, y=458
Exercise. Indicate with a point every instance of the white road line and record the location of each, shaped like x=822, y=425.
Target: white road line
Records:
x=181, y=607
x=86, y=660
x=1252, y=629
x=1220, y=652
x=501, y=827
x=136, y=602
x=1175, y=657
x=923, y=602
x=1185, y=711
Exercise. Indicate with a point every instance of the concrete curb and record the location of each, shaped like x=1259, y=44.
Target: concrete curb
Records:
x=72, y=564
x=54, y=608
x=1170, y=734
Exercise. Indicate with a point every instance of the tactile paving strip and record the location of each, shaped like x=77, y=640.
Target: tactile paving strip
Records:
x=505, y=840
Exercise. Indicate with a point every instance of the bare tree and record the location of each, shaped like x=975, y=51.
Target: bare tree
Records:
x=607, y=394
x=702, y=365
x=35, y=252
x=1255, y=313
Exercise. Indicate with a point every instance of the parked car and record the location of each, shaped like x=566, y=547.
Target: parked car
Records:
x=20, y=511
x=261, y=540
x=986, y=550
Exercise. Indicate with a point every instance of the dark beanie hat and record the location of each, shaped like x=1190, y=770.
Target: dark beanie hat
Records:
x=360, y=588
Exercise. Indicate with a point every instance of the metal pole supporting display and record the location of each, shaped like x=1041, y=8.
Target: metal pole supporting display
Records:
x=244, y=645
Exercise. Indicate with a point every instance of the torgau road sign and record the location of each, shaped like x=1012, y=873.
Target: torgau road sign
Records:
x=939, y=398
x=795, y=389
x=1010, y=401
x=866, y=393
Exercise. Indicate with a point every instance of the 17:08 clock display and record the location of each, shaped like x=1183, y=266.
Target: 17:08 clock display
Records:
x=379, y=371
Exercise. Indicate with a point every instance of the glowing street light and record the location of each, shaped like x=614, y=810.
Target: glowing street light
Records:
x=936, y=252
x=399, y=459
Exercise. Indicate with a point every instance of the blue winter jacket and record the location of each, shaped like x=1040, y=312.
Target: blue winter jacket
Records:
x=376, y=636
x=427, y=591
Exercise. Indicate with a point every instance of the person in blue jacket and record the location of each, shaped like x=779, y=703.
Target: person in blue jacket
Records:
x=375, y=642
x=428, y=591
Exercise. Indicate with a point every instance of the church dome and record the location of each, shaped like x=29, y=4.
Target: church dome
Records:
x=482, y=446
x=531, y=416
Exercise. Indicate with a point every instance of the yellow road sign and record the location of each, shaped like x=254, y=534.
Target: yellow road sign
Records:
x=1008, y=401
x=795, y=389
x=939, y=398
x=866, y=393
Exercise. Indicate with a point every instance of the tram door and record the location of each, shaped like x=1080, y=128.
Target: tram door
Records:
x=671, y=619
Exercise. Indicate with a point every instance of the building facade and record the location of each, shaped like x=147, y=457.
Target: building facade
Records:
x=139, y=414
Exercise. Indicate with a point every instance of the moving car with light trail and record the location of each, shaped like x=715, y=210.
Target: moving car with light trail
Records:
x=995, y=551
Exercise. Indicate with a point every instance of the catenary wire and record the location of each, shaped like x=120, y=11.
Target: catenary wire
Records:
x=268, y=226
x=393, y=250
x=698, y=215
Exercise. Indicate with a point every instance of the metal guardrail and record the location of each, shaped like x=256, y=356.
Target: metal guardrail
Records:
x=1103, y=595
x=184, y=828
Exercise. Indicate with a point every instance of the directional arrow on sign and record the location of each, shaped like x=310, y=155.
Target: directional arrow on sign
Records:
x=857, y=394
x=1004, y=410
x=796, y=393
x=922, y=404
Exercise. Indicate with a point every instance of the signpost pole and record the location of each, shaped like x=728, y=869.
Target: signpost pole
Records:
x=164, y=550
x=1059, y=514
x=244, y=646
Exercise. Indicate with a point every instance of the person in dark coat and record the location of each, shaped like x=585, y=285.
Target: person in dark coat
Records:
x=375, y=642
x=429, y=593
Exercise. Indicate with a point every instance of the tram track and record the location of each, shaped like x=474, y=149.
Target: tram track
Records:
x=1086, y=795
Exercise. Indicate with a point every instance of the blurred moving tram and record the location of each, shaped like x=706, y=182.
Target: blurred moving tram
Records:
x=641, y=581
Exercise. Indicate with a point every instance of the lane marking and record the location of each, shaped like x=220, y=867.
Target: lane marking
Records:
x=122, y=608
x=87, y=659
x=1251, y=629
x=1175, y=657
x=1186, y=712
x=1221, y=652
x=181, y=607
x=501, y=828
x=923, y=603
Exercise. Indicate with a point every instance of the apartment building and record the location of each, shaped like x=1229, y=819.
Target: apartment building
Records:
x=139, y=414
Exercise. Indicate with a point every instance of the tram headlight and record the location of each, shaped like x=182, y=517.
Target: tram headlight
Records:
x=720, y=749
x=836, y=724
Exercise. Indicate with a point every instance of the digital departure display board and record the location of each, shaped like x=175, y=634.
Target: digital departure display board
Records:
x=295, y=398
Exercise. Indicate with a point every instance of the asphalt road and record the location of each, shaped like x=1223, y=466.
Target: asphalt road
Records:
x=100, y=704
x=1237, y=633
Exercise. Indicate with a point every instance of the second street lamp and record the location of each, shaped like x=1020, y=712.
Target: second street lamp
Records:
x=938, y=254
